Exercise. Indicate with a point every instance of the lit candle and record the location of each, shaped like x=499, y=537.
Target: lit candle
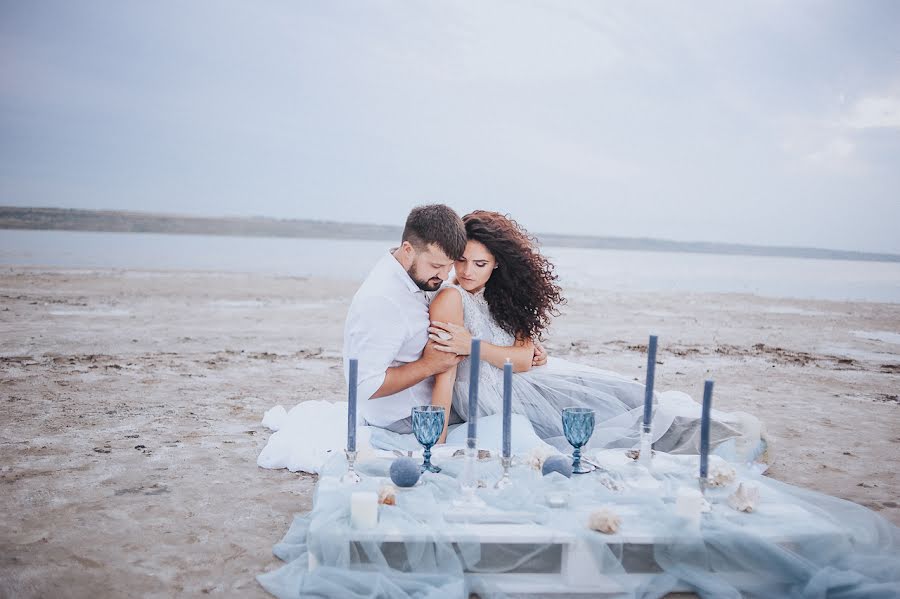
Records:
x=704, y=428
x=507, y=408
x=364, y=509
x=648, y=389
x=351, y=405
x=475, y=362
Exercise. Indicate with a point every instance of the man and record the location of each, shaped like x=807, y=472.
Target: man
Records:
x=387, y=324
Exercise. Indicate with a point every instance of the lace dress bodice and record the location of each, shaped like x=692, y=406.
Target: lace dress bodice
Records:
x=478, y=320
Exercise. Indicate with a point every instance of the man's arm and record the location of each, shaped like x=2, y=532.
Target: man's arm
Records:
x=432, y=362
x=375, y=332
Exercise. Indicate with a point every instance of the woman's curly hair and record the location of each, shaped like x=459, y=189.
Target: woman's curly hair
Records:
x=522, y=293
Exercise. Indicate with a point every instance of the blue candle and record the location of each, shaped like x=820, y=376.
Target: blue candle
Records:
x=648, y=389
x=704, y=428
x=507, y=408
x=351, y=405
x=475, y=362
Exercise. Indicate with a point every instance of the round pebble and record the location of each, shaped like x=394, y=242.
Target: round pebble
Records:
x=405, y=472
x=557, y=463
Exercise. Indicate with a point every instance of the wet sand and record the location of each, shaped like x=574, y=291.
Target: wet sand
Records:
x=131, y=404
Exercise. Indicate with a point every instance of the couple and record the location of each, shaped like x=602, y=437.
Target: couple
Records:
x=411, y=326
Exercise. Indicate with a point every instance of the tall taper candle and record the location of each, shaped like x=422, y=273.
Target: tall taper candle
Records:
x=475, y=362
x=704, y=428
x=651, y=375
x=351, y=405
x=507, y=408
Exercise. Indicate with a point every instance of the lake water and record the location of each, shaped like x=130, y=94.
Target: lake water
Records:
x=615, y=270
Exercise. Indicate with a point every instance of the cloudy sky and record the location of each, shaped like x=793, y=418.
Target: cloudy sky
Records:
x=761, y=122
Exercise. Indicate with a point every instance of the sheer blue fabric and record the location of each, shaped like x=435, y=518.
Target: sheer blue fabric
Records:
x=796, y=543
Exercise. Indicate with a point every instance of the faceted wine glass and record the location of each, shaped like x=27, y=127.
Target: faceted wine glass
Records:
x=427, y=425
x=578, y=426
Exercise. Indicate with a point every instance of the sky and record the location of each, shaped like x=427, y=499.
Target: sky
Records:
x=764, y=122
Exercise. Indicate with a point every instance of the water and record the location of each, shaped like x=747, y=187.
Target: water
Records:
x=615, y=270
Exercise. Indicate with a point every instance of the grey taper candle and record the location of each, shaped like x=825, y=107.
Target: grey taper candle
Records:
x=704, y=428
x=651, y=375
x=351, y=405
x=474, y=363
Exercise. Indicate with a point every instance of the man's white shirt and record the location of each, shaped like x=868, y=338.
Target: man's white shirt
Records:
x=387, y=326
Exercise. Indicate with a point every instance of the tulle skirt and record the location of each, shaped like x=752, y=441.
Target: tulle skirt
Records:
x=618, y=403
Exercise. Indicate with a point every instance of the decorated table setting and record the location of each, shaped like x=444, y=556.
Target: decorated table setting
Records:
x=457, y=519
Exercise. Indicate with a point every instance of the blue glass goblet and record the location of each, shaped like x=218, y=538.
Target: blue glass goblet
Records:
x=427, y=425
x=578, y=426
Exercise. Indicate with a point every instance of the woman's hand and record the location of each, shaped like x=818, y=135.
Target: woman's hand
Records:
x=540, y=355
x=450, y=338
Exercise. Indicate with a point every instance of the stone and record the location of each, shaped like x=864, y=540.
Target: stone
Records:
x=557, y=463
x=405, y=472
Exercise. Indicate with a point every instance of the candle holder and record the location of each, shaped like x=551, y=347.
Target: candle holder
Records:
x=645, y=457
x=350, y=477
x=469, y=499
x=505, y=481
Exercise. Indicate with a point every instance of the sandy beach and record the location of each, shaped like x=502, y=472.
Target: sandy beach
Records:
x=131, y=408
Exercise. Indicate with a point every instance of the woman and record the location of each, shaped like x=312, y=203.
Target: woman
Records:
x=506, y=294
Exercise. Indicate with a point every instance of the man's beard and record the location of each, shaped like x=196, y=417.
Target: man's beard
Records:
x=429, y=285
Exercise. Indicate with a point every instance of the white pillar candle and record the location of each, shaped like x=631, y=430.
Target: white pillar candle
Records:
x=689, y=505
x=364, y=509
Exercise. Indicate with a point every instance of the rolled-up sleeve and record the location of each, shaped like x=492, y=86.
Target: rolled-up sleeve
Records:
x=376, y=330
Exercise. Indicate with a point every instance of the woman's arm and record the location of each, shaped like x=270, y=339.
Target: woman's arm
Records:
x=446, y=306
x=521, y=353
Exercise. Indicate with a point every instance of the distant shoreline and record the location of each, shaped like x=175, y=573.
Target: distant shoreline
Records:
x=116, y=221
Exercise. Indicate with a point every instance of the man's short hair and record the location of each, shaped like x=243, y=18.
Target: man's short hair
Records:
x=437, y=224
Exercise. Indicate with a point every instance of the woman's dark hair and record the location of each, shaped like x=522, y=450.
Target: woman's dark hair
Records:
x=522, y=293
x=437, y=224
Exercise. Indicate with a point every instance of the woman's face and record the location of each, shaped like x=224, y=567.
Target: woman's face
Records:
x=475, y=267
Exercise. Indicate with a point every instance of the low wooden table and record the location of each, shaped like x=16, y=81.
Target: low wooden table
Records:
x=575, y=570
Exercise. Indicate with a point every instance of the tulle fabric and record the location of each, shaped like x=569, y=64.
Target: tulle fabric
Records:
x=796, y=543
x=541, y=394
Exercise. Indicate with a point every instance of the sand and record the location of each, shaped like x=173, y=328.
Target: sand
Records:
x=131, y=408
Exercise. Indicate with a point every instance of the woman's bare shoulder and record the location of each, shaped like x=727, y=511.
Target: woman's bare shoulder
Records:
x=447, y=303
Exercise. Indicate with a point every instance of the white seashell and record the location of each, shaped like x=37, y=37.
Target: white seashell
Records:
x=720, y=474
x=745, y=498
x=387, y=495
x=604, y=520
x=538, y=455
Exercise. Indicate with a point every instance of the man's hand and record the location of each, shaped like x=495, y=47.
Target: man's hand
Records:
x=540, y=355
x=439, y=360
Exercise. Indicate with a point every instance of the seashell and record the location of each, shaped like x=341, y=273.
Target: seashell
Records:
x=483, y=454
x=635, y=454
x=604, y=520
x=609, y=482
x=387, y=495
x=720, y=474
x=745, y=498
